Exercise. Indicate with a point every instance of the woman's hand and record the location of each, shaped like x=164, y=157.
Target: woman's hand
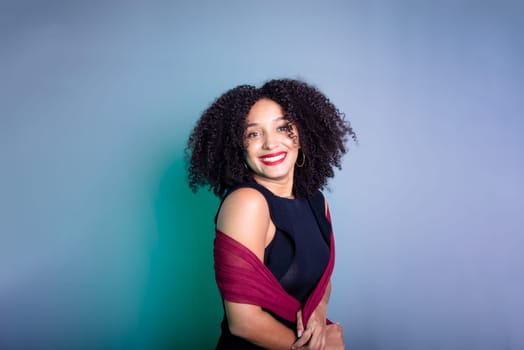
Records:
x=315, y=335
x=334, y=337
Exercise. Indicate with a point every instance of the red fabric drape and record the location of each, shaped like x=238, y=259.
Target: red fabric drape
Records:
x=242, y=278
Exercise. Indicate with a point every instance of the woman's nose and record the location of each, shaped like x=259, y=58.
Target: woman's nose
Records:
x=269, y=141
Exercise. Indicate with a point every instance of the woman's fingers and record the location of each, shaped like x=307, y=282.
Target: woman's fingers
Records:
x=335, y=337
x=300, y=324
x=318, y=339
x=304, y=339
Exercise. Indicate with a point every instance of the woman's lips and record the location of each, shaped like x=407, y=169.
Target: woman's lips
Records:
x=273, y=158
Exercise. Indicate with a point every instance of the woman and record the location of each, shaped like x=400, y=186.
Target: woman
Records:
x=266, y=152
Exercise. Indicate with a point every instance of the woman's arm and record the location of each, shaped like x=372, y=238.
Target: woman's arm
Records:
x=244, y=216
x=258, y=327
x=315, y=334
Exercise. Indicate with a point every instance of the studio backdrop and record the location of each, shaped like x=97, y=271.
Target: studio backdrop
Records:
x=103, y=245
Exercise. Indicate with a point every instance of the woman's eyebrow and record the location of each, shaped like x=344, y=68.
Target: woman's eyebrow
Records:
x=277, y=119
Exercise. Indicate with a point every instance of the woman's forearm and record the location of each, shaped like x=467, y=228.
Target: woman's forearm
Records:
x=327, y=293
x=258, y=326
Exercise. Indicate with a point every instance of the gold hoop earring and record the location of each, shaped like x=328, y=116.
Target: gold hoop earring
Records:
x=303, y=160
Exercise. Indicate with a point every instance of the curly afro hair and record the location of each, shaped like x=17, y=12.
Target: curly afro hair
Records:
x=215, y=149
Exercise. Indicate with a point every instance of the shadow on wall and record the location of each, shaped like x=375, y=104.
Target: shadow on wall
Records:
x=182, y=308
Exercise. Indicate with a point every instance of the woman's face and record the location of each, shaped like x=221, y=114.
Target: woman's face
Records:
x=271, y=142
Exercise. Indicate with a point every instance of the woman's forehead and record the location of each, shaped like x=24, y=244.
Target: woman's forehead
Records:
x=265, y=111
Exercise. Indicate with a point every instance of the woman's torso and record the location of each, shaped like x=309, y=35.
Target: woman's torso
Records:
x=297, y=254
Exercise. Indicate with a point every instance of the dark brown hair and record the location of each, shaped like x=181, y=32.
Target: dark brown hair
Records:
x=215, y=149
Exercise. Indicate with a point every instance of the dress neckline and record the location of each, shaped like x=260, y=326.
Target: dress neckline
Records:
x=290, y=198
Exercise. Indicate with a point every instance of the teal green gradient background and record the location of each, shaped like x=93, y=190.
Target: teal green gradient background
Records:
x=103, y=246
x=180, y=303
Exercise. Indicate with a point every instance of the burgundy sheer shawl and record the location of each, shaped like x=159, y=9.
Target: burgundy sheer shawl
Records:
x=242, y=278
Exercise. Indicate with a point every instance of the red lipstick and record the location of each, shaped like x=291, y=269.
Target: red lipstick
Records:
x=273, y=158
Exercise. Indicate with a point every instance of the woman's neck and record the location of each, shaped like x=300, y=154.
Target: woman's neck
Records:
x=278, y=188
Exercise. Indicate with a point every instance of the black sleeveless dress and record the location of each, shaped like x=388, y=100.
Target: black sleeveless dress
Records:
x=297, y=255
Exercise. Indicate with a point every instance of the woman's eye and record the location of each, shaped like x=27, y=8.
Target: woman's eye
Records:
x=251, y=134
x=284, y=128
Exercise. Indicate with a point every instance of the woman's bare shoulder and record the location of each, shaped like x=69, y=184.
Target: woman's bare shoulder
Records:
x=244, y=216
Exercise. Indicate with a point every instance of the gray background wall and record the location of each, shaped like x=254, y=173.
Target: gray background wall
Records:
x=102, y=246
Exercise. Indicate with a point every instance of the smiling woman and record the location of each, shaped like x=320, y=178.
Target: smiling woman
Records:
x=267, y=152
x=271, y=146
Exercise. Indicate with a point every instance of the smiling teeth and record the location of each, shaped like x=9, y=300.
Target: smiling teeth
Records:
x=274, y=159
